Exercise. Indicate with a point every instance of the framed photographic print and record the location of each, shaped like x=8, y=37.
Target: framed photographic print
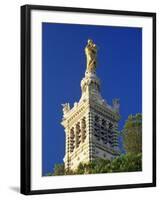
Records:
x=88, y=99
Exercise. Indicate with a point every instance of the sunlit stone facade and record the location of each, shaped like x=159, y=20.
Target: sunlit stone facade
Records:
x=90, y=125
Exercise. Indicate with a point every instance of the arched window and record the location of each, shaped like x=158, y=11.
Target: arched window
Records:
x=78, y=135
x=72, y=140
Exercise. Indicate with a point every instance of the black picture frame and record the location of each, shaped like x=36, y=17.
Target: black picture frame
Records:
x=26, y=98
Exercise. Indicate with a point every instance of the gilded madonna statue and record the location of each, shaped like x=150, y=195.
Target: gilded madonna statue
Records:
x=91, y=56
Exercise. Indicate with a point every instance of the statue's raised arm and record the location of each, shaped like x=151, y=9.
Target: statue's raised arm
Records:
x=91, y=56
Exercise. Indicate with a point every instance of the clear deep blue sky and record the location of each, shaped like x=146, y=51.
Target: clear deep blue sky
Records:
x=64, y=63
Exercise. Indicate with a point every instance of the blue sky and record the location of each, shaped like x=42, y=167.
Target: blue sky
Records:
x=64, y=63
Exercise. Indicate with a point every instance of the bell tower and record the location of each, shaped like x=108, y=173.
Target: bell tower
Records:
x=91, y=124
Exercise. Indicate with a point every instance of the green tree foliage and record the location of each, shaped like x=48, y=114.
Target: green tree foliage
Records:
x=132, y=134
x=125, y=163
x=59, y=169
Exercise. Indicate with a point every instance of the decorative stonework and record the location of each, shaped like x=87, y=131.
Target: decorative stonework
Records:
x=90, y=125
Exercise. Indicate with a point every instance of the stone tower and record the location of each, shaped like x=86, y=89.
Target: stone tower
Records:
x=91, y=124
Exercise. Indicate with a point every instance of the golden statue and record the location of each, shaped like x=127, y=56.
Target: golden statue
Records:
x=91, y=56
